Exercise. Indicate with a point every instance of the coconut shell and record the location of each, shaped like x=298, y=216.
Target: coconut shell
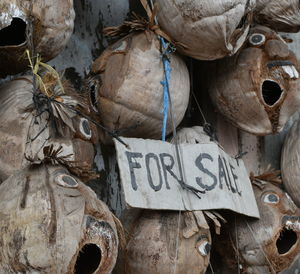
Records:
x=283, y=15
x=209, y=29
x=52, y=23
x=270, y=244
x=192, y=135
x=127, y=88
x=153, y=246
x=52, y=223
x=257, y=90
x=24, y=134
x=290, y=162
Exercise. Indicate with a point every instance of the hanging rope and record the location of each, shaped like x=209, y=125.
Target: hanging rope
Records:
x=166, y=84
x=170, y=49
x=207, y=127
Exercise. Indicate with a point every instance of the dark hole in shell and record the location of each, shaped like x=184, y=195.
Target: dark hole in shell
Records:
x=271, y=92
x=207, y=248
x=273, y=198
x=69, y=180
x=86, y=127
x=286, y=241
x=88, y=259
x=93, y=97
x=242, y=22
x=14, y=34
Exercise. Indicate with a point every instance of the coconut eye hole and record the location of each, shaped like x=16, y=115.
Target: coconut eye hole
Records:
x=93, y=95
x=84, y=128
x=203, y=247
x=257, y=39
x=271, y=198
x=66, y=180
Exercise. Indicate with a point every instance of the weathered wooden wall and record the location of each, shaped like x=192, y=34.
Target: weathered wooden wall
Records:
x=87, y=43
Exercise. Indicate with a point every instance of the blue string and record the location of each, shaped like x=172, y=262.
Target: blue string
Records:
x=166, y=85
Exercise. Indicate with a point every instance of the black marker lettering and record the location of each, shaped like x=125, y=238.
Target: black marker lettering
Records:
x=222, y=174
x=147, y=159
x=235, y=178
x=227, y=173
x=132, y=165
x=199, y=164
x=167, y=168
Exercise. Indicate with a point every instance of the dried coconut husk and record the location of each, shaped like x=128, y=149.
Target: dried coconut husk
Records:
x=268, y=245
x=283, y=15
x=52, y=223
x=26, y=127
x=192, y=135
x=209, y=29
x=257, y=90
x=52, y=24
x=156, y=247
x=290, y=162
x=126, y=90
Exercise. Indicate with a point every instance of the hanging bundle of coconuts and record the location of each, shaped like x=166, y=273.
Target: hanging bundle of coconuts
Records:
x=46, y=24
x=257, y=90
x=52, y=223
x=126, y=83
x=207, y=29
x=32, y=121
x=283, y=15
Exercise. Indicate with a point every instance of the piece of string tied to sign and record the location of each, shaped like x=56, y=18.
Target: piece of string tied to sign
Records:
x=166, y=50
x=169, y=48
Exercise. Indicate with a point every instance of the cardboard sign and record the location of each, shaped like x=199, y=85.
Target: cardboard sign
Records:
x=151, y=179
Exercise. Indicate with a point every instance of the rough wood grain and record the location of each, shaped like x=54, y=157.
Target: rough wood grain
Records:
x=290, y=162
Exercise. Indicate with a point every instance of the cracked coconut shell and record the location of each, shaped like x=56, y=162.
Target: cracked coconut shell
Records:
x=208, y=29
x=268, y=245
x=126, y=89
x=152, y=246
x=24, y=133
x=290, y=162
x=52, y=26
x=52, y=223
x=283, y=15
x=257, y=90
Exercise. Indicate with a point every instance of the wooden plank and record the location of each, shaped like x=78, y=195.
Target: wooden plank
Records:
x=151, y=179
